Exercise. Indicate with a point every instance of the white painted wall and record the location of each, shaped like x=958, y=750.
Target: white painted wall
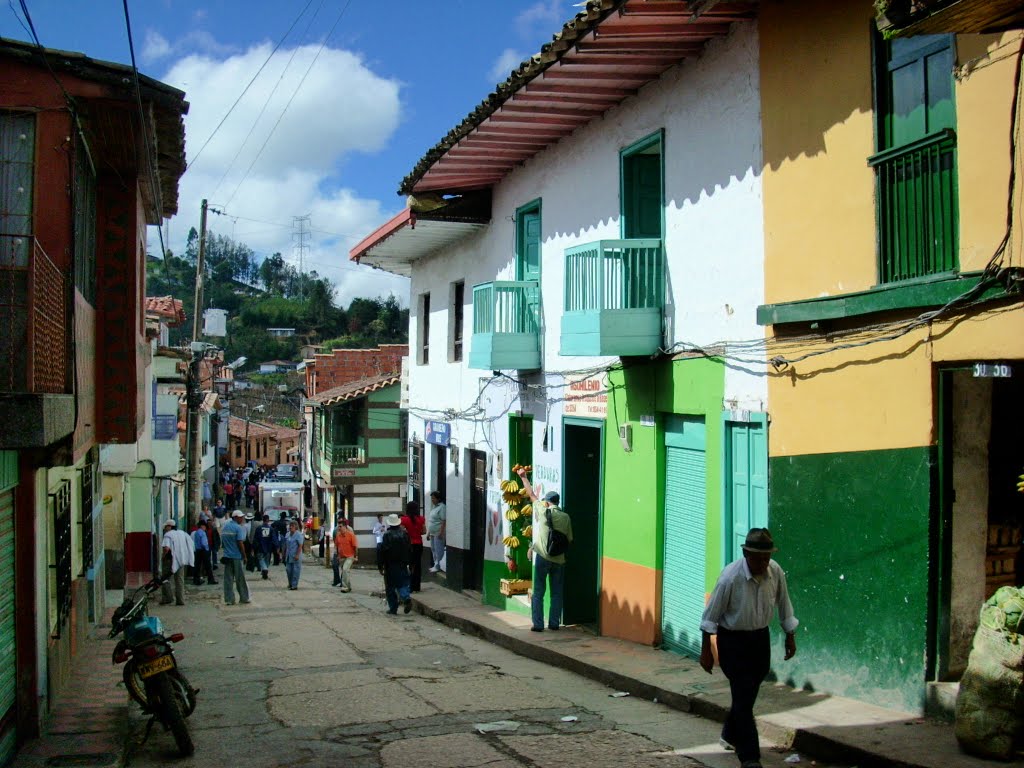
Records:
x=709, y=111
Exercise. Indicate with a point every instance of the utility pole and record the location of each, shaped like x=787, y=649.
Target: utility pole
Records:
x=194, y=440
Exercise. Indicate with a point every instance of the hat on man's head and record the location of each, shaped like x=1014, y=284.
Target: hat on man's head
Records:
x=393, y=520
x=238, y=513
x=552, y=498
x=759, y=540
x=248, y=516
x=172, y=523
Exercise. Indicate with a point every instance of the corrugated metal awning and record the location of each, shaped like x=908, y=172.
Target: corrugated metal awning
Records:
x=410, y=236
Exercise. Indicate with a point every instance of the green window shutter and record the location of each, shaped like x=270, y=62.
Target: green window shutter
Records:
x=916, y=161
x=528, y=242
x=642, y=189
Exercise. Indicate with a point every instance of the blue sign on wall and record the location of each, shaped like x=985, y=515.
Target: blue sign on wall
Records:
x=437, y=432
x=165, y=427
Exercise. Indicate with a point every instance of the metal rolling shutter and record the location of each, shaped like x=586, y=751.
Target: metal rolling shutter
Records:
x=683, y=575
x=8, y=657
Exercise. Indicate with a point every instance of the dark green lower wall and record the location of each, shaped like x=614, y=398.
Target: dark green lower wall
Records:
x=853, y=536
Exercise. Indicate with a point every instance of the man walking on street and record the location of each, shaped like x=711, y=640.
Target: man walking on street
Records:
x=232, y=539
x=293, y=554
x=346, y=552
x=748, y=591
x=394, y=564
x=201, y=541
x=178, y=552
x=266, y=542
x=547, y=565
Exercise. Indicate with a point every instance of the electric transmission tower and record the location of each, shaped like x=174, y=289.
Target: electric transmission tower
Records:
x=300, y=243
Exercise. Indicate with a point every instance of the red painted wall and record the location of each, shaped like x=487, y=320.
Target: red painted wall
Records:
x=138, y=551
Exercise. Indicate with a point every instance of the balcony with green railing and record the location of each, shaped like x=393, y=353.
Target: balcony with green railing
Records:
x=917, y=209
x=614, y=298
x=340, y=455
x=506, y=326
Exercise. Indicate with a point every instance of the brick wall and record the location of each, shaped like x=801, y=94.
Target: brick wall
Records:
x=343, y=366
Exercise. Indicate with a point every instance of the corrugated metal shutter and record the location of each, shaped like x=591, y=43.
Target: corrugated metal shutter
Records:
x=8, y=657
x=685, y=542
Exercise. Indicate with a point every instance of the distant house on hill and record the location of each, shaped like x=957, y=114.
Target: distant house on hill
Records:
x=278, y=366
x=281, y=333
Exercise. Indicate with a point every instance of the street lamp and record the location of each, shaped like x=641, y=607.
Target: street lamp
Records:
x=248, y=411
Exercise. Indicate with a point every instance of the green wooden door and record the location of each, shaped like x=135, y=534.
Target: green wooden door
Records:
x=520, y=451
x=581, y=499
x=682, y=601
x=528, y=245
x=8, y=649
x=642, y=196
x=746, y=472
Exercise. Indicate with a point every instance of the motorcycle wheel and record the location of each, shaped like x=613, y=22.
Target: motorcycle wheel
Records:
x=186, y=694
x=173, y=716
x=135, y=685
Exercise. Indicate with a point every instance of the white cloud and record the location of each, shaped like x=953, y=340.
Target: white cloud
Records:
x=544, y=17
x=507, y=61
x=155, y=46
x=342, y=107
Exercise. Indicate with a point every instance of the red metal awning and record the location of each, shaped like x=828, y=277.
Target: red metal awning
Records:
x=600, y=58
x=410, y=235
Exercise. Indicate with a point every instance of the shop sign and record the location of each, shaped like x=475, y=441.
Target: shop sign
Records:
x=437, y=432
x=587, y=396
x=340, y=472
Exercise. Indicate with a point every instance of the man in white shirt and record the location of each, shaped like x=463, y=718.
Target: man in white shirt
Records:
x=748, y=592
x=178, y=551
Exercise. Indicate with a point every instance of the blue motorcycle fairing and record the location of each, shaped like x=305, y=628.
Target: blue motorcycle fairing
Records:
x=143, y=629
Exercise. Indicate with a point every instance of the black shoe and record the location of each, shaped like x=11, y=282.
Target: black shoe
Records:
x=211, y=581
x=536, y=629
x=393, y=613
x=553, y=629
x=408, y=605
x=266, y=575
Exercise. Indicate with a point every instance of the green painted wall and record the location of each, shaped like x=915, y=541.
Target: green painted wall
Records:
x=634, y=481
x=852, y=531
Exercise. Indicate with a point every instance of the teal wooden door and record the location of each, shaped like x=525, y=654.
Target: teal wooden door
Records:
x=682, y=600
x=528, y=245
x=746, y=473
x=8, y=654
x=642, y=196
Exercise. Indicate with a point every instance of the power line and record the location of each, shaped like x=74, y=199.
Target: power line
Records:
x=153, y=171
x=249, y=85
x=290, y=100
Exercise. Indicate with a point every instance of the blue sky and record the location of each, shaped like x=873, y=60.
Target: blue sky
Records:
x=353, y=117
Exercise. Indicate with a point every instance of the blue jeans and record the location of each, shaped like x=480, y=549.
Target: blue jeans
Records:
x=396, y=585
x=234, y=576
x=544, y=569
x=264, y=560
x=293, y=568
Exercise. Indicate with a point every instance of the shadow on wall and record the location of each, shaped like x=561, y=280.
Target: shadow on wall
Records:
x=631, y=622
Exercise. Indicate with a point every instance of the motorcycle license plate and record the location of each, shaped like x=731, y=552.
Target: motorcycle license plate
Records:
x=155, y=667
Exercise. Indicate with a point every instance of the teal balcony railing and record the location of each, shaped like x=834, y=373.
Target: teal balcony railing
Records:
x=345, y=454
x=917, y=209
x=506, y=326
x=614, y=298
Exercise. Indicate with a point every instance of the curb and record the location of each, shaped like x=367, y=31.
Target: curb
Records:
x=788, y=738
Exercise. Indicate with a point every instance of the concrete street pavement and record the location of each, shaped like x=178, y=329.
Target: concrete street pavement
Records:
x=320, y=678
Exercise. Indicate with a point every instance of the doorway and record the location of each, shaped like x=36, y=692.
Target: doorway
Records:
x=746, y=477
x=581, y=499
x=416, y=473
x=440, y=473
x=977, y=522
x=473, y=567
x=520, y=451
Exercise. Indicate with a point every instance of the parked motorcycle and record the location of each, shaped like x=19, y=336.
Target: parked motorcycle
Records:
x=151, y=673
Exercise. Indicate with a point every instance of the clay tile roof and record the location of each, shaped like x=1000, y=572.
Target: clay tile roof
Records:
x=354, y=390
x=236, y=428
x=167, y=307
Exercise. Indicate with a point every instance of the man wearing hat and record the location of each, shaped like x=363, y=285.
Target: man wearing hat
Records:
x=395, y=551
x=547, y=566
x=748, y=592
x=232, y=539
x=178, y=551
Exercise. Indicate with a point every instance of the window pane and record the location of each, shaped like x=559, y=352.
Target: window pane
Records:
x=939, y=70
x=17, y=154
x=907, y=113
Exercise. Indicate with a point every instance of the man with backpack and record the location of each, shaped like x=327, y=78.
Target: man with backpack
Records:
x=266, y=542
x=552, y=534
x=395, y=551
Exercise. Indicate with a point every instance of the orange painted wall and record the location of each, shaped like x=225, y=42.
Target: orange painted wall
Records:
x=630, y=606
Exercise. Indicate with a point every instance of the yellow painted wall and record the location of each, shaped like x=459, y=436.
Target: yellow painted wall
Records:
x=881, y=396
x=818, y=123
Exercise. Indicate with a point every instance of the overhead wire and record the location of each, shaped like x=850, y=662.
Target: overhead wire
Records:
x=249, y=85
x=147, y=145
x=290, y=100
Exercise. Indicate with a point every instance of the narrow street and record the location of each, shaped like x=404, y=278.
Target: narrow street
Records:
x=320, y=678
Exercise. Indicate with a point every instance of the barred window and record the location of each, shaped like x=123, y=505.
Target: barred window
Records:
x=60, y=604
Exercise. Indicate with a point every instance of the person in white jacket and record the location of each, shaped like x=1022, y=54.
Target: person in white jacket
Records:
x=178, y=552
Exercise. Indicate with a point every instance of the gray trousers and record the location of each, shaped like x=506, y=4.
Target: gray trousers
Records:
x=178, y=580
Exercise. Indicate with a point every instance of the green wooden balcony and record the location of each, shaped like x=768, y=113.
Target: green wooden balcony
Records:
x=339, y=455
x=614, y=297
x=506, y=326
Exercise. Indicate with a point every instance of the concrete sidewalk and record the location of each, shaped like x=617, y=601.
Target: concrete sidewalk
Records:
x=828, y=728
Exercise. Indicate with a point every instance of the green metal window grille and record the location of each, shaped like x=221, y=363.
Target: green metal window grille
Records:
x=915, y=166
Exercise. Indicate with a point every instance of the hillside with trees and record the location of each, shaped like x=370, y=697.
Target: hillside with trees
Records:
x=271, y=293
